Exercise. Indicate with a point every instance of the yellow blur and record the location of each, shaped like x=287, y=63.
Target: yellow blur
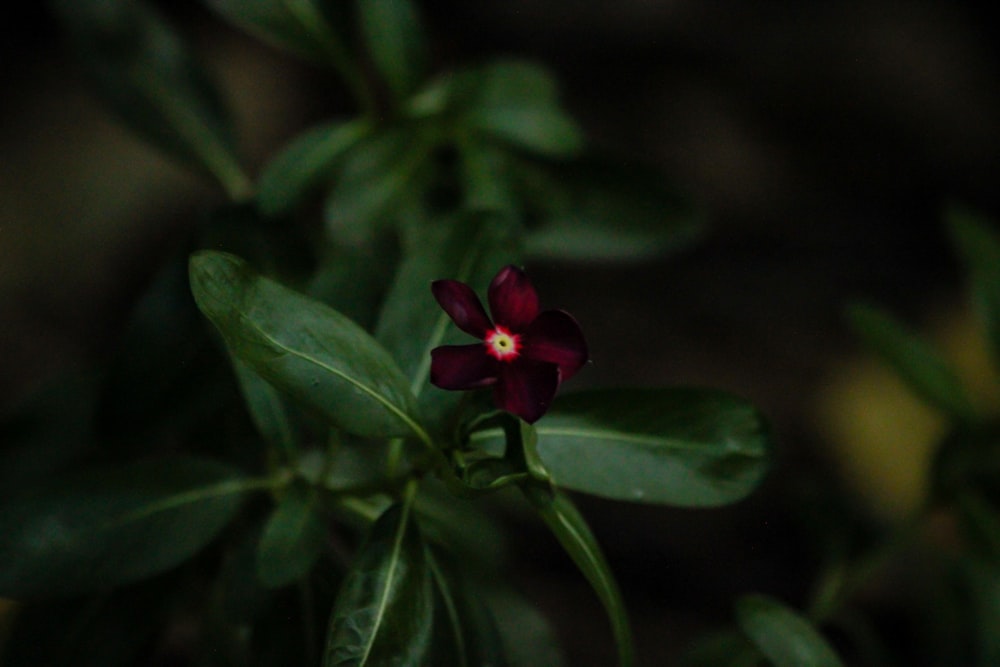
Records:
x=881, y=436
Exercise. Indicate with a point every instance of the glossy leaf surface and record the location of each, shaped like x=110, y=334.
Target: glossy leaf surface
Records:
x=783, y=636
x=573, y=533
x=292, y=540
x=913, y=359
x=686, y=447
x=93, y=531
x=384, y=611
x=304, y=348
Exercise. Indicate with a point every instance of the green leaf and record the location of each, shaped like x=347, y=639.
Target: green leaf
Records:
x=513, y=460
x=509, y=101
x=465, y=632
x=677, y=446
x=395, y=39
x=506, y=82
x=353, y=279
x=150, y=78
x=267, y=410
x=573, y=533
x=541, y=130
x=485, y=176
x=304, y=348
x=304, y=27
x=916, y=362
x=292, y=540
x=514, y=82
x=93, y=531
x=306, y=163
x=517, y=102
x=785, y=637
x=469, y=248
x=462, y=526
x=373, y=183
x=384, y=611
x=596, y=210
x=978, y=244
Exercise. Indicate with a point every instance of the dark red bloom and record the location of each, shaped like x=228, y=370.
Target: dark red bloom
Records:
x=524, y=354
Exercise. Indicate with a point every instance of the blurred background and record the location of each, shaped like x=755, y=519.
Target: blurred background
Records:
x=822, y=141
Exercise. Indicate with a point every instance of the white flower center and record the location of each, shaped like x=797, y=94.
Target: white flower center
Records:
x=503, y=345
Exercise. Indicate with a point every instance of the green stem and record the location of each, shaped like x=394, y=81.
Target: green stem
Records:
x=410, y=494
x=394, y=458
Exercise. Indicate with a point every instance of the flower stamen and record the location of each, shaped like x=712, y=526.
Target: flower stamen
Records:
x=502, y=345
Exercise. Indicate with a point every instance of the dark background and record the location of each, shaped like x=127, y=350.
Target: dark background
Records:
x=823, y=141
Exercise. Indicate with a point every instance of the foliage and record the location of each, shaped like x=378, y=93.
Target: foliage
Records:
x=291, y=463
x=265, y=459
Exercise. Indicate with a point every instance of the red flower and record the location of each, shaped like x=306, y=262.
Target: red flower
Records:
x=524, y=354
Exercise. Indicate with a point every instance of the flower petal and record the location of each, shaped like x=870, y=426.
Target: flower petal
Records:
x=462, y=306
x=526, y=388
x=462, y=367
x=513, y=300
x=555, y=337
